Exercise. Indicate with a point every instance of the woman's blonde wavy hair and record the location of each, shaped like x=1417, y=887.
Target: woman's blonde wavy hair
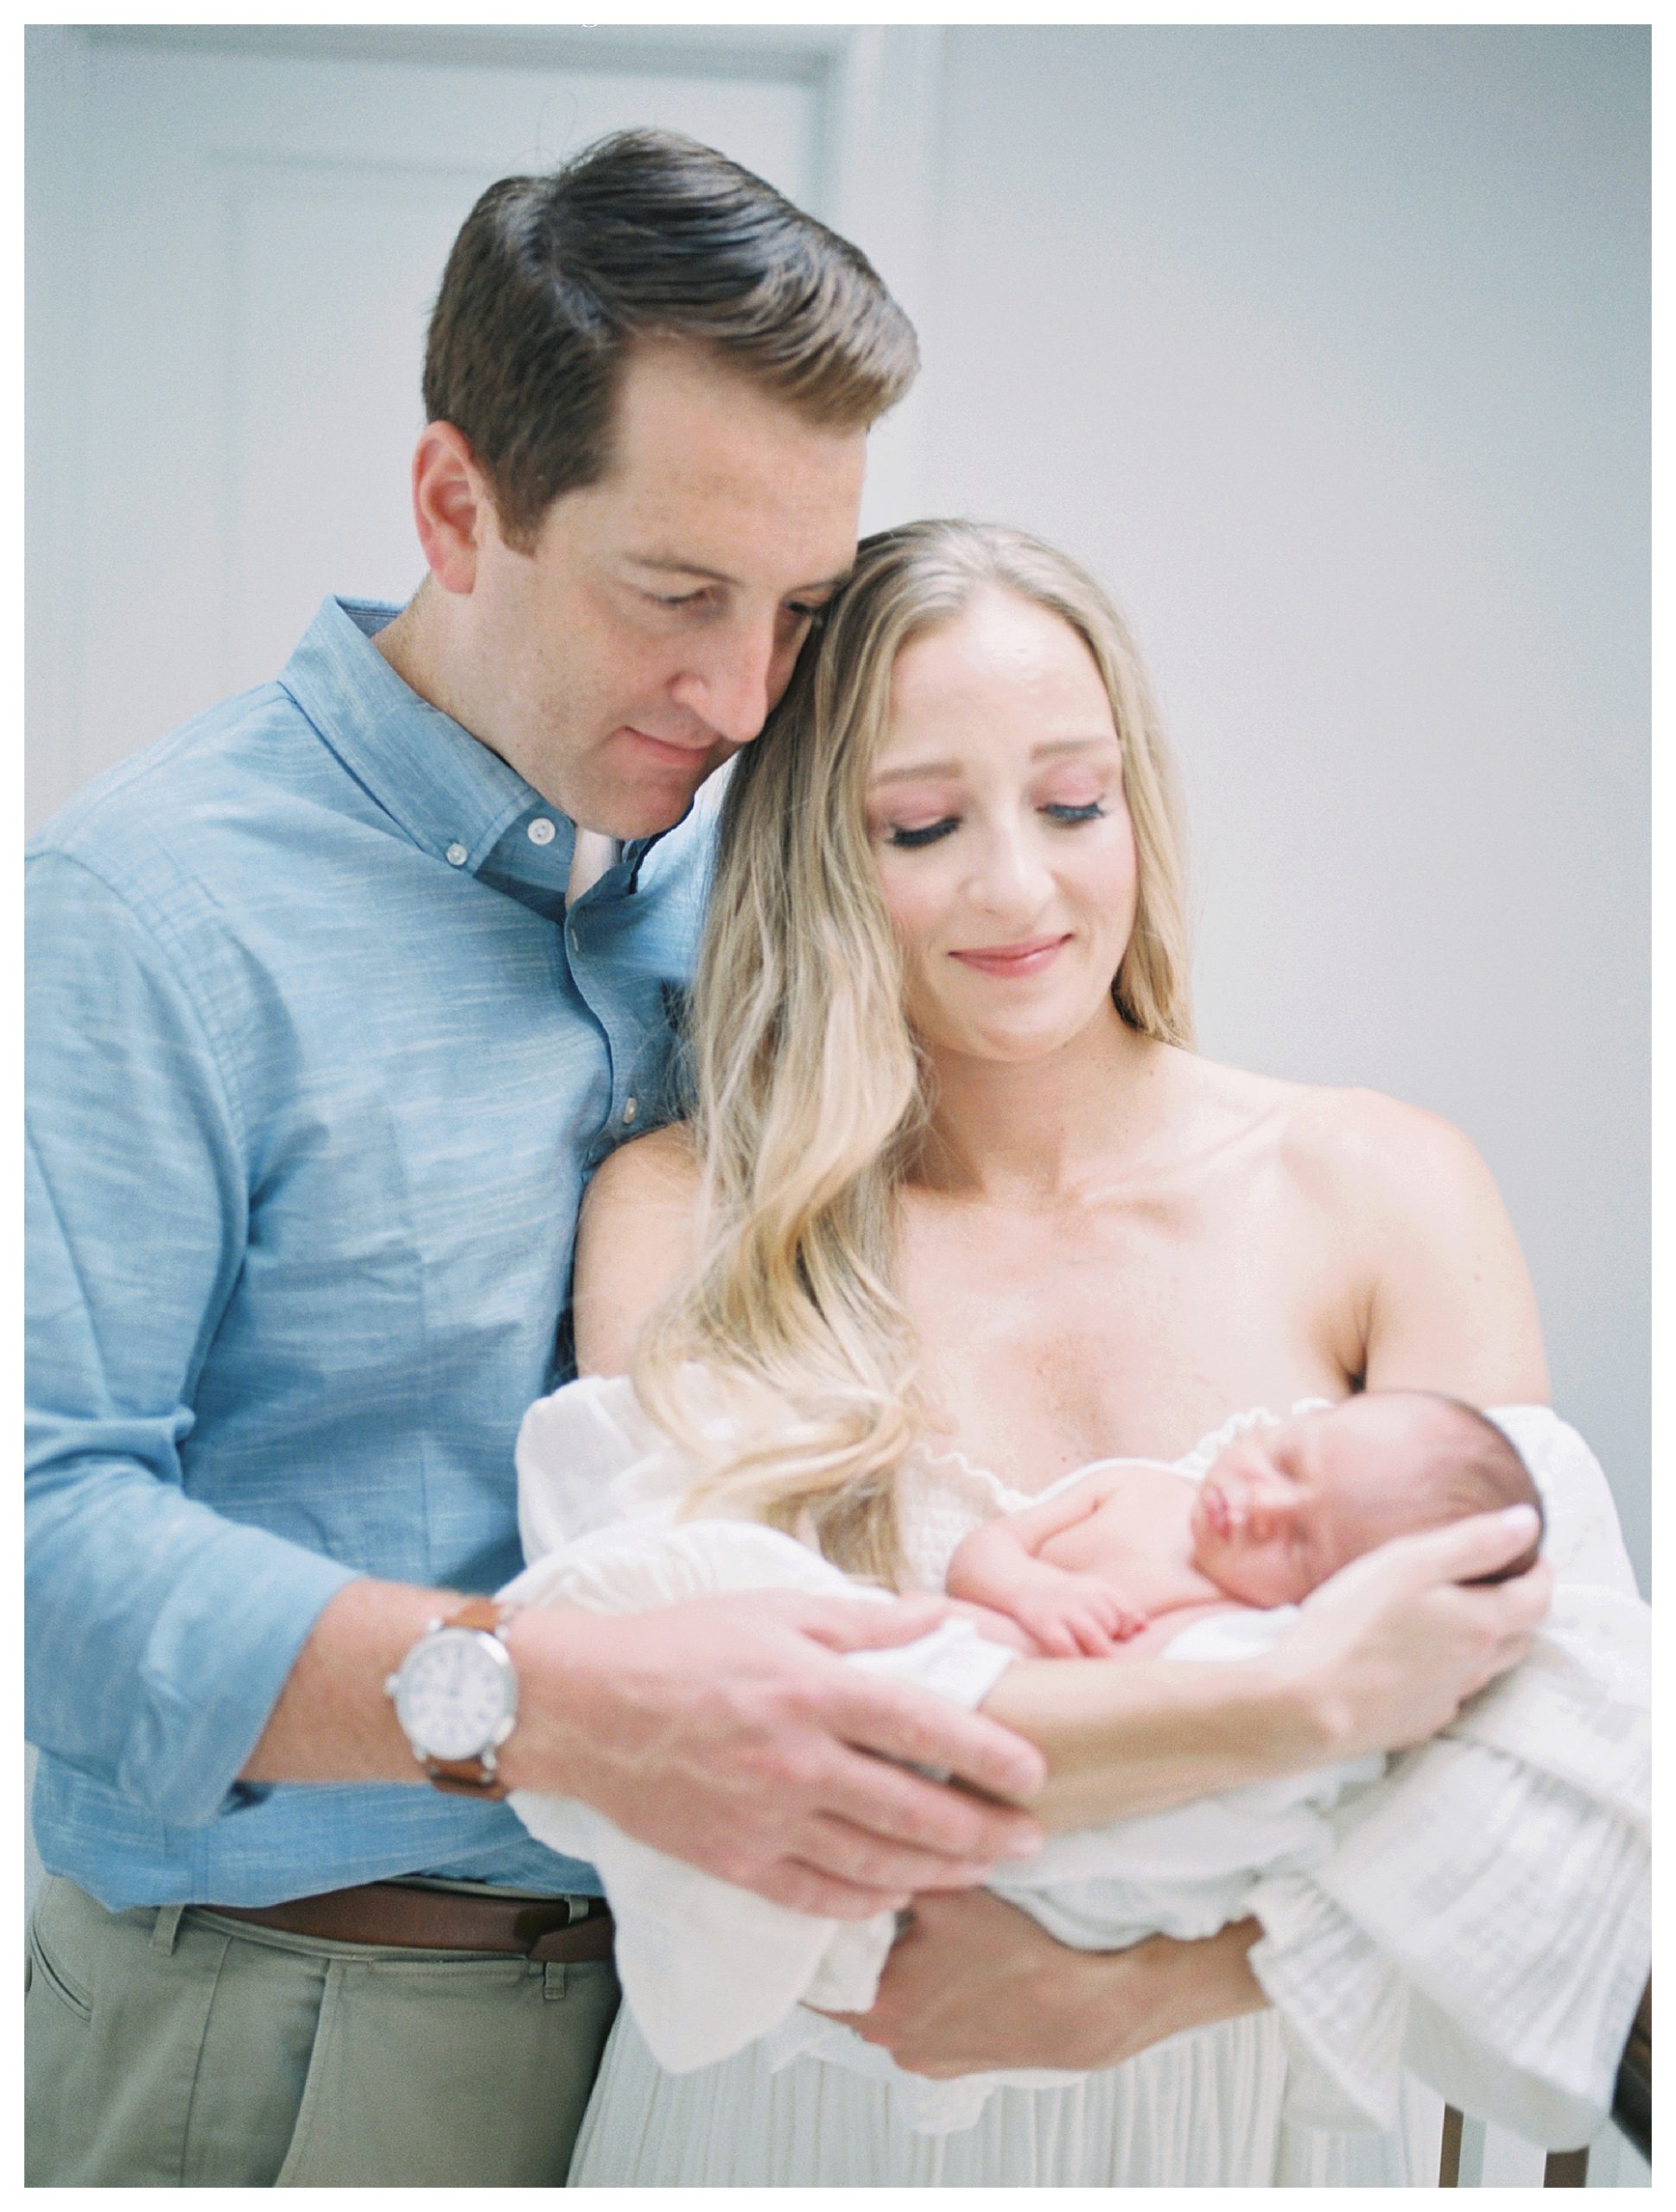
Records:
x=810, y=1096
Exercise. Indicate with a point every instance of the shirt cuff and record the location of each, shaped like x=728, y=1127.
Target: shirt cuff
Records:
x=217, y=1654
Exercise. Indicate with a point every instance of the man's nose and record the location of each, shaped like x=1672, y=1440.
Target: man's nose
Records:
x=736, y=682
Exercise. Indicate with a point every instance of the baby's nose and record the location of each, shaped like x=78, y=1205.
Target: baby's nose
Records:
x=1270, y=1511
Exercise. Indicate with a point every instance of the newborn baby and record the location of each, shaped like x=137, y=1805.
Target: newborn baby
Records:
x=1131, y=1552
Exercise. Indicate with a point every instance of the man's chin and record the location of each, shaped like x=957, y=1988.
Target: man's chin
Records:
x=631, y=810
x=641, y=802
x=631, y=821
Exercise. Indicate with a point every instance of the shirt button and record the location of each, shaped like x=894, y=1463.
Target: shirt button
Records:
x=541, y=831
x=456, y=855
x=630, y=1107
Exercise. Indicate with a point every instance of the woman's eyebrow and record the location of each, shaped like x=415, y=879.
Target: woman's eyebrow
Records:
x=1050, y=749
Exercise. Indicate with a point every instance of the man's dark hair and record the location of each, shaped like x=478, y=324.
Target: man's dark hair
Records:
x=643, y=234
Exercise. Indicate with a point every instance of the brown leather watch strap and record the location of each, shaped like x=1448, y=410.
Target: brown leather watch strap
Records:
x=464, y=1778
x=487, y=1613
x=471, y=1777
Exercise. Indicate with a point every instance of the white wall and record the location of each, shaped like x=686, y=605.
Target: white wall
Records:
x=1327, y=349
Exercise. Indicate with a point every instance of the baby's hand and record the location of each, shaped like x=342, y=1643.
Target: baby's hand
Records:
x=1075, y=1616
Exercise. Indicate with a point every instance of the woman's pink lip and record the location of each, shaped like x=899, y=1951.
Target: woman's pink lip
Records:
x=1014, y=959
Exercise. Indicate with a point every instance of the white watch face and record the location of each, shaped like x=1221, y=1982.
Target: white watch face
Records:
x=455, y=1693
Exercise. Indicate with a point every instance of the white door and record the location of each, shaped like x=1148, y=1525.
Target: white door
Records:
x=242, y=248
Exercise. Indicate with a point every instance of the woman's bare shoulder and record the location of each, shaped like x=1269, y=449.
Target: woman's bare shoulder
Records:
x=1341, y=1143
x=659, y=1169
x=634, y=1240
x=1400, y=1212
x=1364, y=1149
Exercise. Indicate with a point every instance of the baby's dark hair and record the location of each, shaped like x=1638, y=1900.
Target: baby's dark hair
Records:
x=1471, y=1466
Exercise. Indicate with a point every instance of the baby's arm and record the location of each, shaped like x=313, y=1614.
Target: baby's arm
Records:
x=1068, y=1615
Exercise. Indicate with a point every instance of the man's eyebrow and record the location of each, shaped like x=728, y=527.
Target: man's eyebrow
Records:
x=1051, y=748
x=671, y=565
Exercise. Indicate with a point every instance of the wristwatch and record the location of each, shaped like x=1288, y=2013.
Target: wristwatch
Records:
x=456, y=1696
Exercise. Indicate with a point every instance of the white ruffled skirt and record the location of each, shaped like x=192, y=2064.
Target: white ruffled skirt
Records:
x=1202, y=2111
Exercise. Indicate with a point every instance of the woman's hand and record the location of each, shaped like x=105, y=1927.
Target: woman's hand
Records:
x=974, y=1984
x=1391, y=1647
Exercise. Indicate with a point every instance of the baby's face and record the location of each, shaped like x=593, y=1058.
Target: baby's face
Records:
x=1284, y=1508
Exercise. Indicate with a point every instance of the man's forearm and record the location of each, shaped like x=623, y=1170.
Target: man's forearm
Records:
x=1127, y=1736
x=332, y=1721
x=974, y=1984
x=1163, y=1987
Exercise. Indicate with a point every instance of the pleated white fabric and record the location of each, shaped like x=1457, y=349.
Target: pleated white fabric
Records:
x=1200, y=2112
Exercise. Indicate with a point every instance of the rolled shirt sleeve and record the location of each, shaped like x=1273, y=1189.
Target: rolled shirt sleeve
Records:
x=160, y=1630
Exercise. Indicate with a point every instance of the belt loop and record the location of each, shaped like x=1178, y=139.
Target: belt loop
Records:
x=168, y=1923
x=552, y=1985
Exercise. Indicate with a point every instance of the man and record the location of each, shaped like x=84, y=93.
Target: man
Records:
x=337, y=996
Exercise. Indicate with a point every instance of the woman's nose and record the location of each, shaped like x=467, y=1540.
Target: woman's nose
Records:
x=1011, y=876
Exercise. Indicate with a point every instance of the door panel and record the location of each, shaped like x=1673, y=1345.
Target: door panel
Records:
x=266, y=236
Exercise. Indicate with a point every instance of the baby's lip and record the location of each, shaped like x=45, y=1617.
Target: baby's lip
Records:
x=1215, y=1509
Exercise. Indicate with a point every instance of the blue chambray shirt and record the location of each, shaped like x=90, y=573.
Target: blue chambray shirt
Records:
x=318, y=1067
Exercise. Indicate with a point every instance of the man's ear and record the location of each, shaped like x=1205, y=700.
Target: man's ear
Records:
x=453, y=509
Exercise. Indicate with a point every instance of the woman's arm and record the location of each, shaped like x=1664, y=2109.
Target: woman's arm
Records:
x=1442, y=1297
x=1385, y=1655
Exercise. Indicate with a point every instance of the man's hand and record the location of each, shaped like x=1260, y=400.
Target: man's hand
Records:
x=974, y=1984
x=728, y=1732
x=1390, y=1648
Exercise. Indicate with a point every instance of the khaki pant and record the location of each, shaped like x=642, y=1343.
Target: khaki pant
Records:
x=171, y=2050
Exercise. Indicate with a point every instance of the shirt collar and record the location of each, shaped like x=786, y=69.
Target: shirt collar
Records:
x=438, y=783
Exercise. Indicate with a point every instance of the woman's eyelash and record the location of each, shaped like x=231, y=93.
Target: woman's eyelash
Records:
x=911, y=840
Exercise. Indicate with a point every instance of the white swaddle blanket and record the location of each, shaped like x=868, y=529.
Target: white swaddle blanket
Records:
x=1335, y=1869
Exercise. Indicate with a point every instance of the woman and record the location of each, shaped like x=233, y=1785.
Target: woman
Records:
x=962, y=1211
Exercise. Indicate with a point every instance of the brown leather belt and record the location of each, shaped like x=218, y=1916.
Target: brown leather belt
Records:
x=568, y=1930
